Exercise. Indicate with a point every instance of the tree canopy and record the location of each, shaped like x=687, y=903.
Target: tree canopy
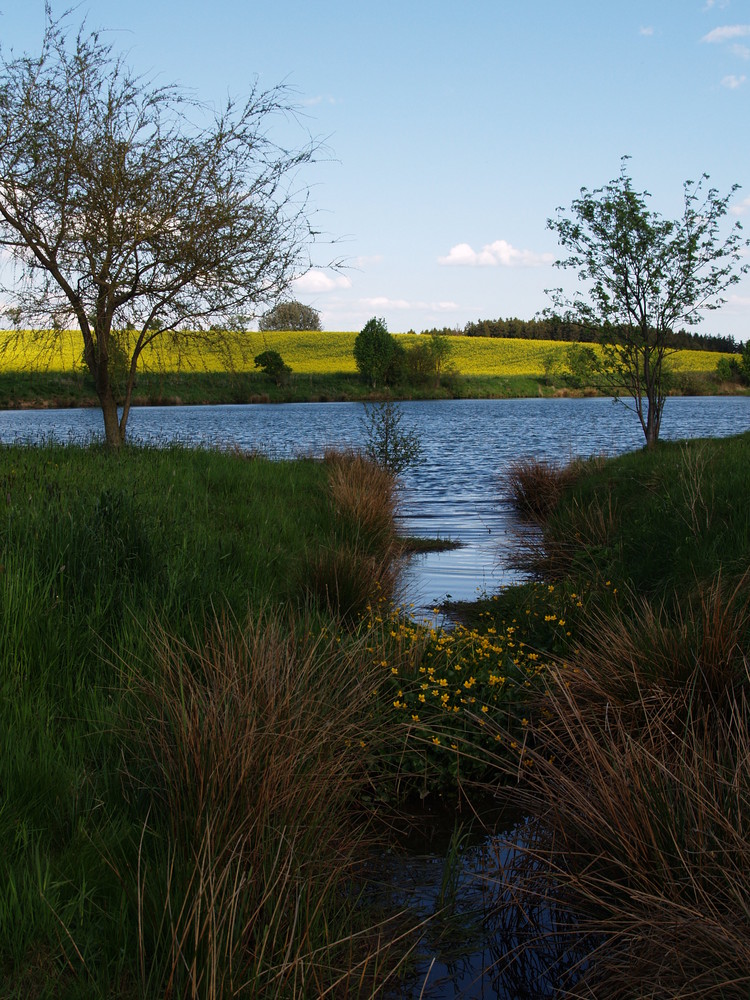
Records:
x=374, y=350
x=645, y=274
x=290, y=315
x=128, y=206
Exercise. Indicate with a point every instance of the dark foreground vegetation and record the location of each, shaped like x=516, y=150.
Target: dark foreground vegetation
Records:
x=213, y=714
x=635, y=758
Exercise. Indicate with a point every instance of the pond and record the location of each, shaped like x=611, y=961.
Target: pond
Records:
x=455, y=491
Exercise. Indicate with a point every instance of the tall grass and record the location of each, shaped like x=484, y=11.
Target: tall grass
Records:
x=363, y=561
x=248, y=749
x=640, y=782
x=178, y=793
x=635, y=760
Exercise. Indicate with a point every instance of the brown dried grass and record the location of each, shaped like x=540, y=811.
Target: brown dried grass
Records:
x=638, y=771
x=535, y=485
x=363, y=564
x=252, y=747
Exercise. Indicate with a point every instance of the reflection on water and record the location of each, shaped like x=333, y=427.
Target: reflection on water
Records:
x=455, y=492
x=475, y=942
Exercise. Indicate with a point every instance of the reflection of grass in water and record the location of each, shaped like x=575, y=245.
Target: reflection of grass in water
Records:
x=474, y=937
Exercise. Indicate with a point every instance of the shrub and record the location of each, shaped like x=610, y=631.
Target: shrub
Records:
x=272, y=364
x=386, y=443
x=374, y=348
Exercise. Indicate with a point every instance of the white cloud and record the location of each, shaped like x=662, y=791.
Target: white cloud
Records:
x=311, y=102
x=728, y=31
x=647, y=31
x=381, y=302
x=741, y=208
x=732, y=82
x=716, y=3
x=735, y=301
x=497, y=254
x=320, y=281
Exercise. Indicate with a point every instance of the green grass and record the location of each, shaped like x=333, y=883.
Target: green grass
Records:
x=115, y=570
x=661, y=522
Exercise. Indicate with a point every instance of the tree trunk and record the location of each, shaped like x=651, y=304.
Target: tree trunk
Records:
x=651, y=428
x=112, y=433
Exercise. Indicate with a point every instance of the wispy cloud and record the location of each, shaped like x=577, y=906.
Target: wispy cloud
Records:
x=721, y=4
x=732, y=82
x=737, y=302
x=382, y=302
x=646, y=30
x=742, y=208
x=727, y=32
x=740, y=50
x=311, y=102
x=321, y=281
x=497, y=254
x=362, y=263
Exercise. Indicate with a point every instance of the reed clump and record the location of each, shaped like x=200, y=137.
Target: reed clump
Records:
x=635, y=763
x=363, y=563
x=640, y=785
x=249, y=749
x=535, y=486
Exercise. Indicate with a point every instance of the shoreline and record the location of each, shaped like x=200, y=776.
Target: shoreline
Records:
x=53, y=390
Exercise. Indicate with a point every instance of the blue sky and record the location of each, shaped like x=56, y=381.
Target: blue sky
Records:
x=455, y=130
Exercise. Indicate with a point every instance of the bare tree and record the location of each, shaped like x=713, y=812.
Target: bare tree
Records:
x=645, y=274
x=128, y=206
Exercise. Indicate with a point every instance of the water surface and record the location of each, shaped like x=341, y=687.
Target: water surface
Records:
x=455, y=492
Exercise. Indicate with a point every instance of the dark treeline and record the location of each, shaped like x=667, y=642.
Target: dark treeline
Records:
x=558, y=328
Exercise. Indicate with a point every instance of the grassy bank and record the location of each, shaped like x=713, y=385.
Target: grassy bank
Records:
x=207, y=723
x=182, y=723
x=60, y=390
x=635, y=758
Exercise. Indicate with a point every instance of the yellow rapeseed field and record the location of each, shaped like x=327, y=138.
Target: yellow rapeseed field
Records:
x=305, y=352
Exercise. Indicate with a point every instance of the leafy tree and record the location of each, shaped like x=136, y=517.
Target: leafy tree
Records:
x=374, y=350
x=430, y=358
x=272, y=364
x=386, y=441
x=736, y=369
x=290, y=316
x=119, y=210
x=645, y=274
